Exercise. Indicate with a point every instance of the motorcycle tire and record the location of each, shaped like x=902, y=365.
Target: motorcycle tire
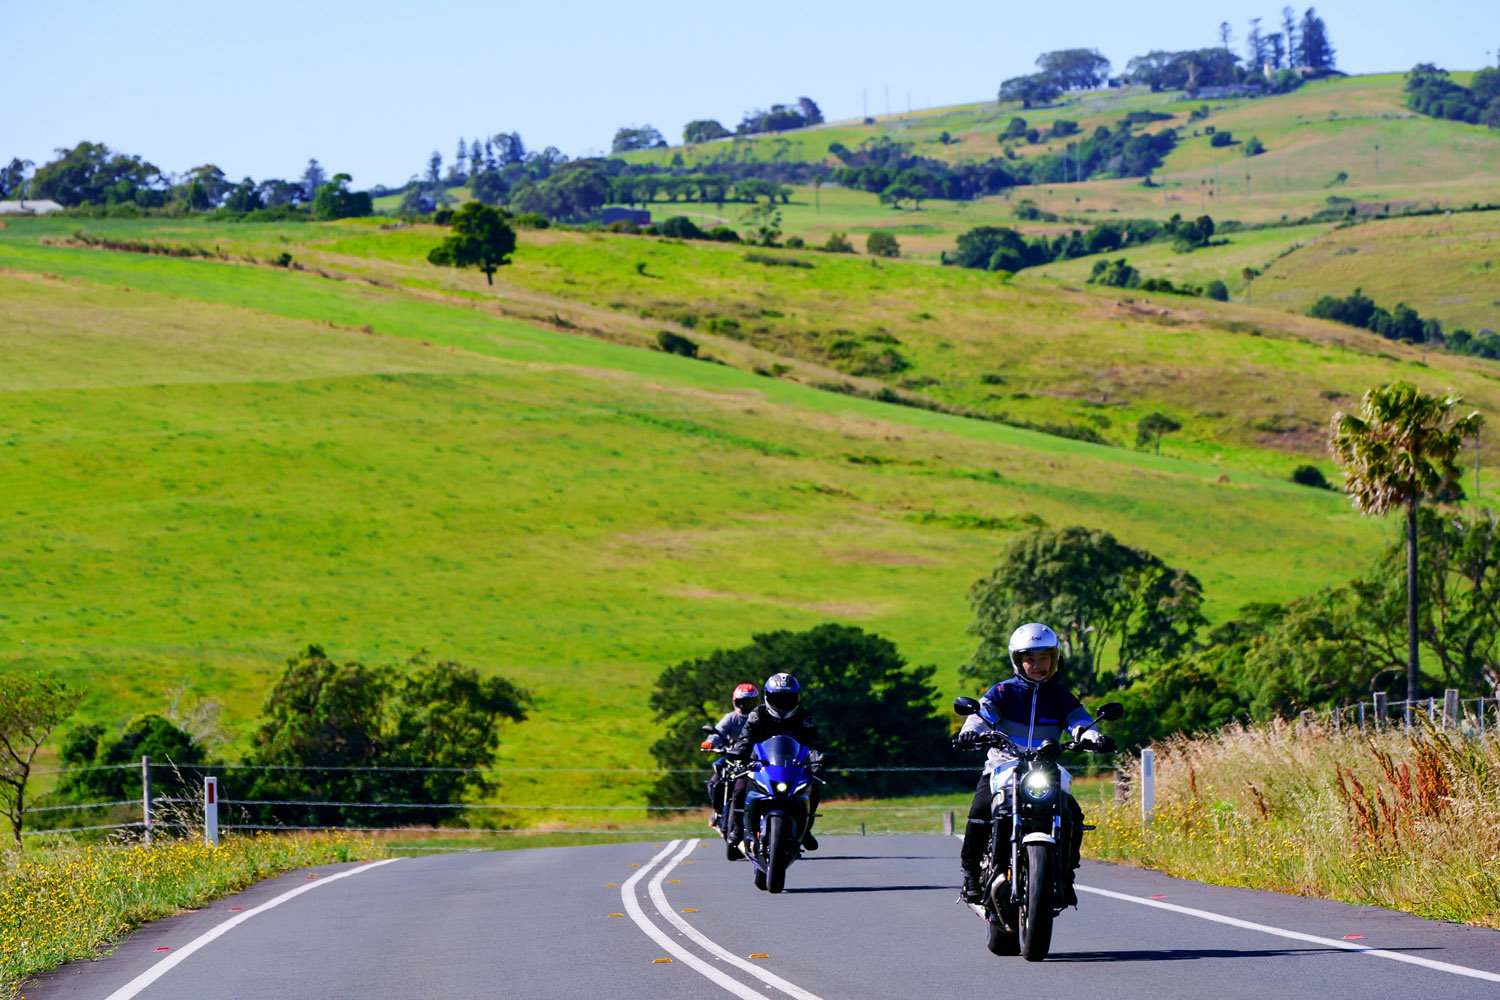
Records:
x=1001, y=941
x=731, y=852
x=779, y=853
x=1036, y=903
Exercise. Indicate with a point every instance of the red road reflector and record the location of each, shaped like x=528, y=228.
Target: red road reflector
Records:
x=1354, y=937
x=235, y=909
x=312, y=876
x=164, y=949
x=1159, y=897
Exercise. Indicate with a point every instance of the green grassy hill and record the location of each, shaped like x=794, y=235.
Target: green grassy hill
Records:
x=206, y=463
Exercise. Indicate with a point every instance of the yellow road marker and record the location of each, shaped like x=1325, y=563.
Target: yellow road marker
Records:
x=675, y=880
x=659, y=961
x=760, y=955
x=635, y=864
x=687, y=862
x=690, y=910
x=610, y=884
x=617, y=914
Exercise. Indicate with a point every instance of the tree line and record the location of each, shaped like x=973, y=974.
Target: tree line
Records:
x=1404, y=323
x=1274, y=60
x=1430, y=91
x=1001, y=248
x=92, y=175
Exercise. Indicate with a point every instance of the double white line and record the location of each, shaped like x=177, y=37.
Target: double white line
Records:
x=687, y=930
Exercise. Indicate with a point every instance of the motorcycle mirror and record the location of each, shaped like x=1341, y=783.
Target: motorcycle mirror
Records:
x=1113, y=710
x=708, y=729
x=1048, y=750
x=965, y=706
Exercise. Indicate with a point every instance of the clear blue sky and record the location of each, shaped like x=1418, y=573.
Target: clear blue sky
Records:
x=372, y=88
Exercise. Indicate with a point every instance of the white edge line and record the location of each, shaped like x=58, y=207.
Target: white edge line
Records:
x=1395, y=956
x=665, y=909
x=633, y=908
x=161, y=968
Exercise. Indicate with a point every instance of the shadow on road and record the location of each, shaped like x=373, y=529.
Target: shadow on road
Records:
x=1189, y=954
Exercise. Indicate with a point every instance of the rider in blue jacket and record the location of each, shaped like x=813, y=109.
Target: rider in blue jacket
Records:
x=1031, y=707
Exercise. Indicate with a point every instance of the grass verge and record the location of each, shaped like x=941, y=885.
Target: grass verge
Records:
x=1407, y=821
x=62, y=904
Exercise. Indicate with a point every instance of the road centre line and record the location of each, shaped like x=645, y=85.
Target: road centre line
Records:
x=1395, y=956
x=659, y=897
x=633, y=909
x=161, y=968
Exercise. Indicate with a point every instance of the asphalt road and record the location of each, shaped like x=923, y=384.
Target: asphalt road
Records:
x=862, y=918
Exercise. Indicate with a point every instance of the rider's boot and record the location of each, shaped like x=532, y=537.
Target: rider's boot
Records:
x=973, y=890
x=809, y=842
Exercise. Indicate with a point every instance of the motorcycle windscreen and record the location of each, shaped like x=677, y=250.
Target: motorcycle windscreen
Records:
x=783, y=751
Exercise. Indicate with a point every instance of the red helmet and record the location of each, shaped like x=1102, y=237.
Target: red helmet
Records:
x=745, y=697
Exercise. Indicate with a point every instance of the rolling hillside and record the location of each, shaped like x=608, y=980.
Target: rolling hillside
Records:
x=209, y=462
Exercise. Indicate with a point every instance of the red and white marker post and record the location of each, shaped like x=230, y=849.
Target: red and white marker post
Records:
x=211, y=810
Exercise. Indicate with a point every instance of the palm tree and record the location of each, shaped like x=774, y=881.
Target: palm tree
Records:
x=1402, y=448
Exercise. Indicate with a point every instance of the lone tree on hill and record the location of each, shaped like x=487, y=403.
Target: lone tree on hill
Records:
x=1153, y=427
x=1401, y=448
x=480, y=239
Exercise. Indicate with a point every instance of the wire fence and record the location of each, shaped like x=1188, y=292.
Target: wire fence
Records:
x=157, y=812
x=1468, y=716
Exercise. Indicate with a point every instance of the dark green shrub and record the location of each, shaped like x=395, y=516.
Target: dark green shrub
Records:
x=676, y=343
x=1216, y=290
x=1310, y=475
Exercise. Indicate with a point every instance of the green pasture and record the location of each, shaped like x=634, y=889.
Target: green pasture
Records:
x=206, y=464
x=1444, y=266
x=1226, y=260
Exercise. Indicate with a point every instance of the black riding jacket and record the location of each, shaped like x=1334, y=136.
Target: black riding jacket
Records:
x=762, y=725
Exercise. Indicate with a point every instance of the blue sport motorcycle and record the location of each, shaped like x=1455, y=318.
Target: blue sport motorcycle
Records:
x=776, y=813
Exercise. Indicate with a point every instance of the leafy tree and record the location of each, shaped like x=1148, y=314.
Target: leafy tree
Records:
x=480, y=239
x=676, y=343
x=244, y=197
x=838, y=243
x=1074, y=69
x=1151, y=428
x=882, y=244
x=702, y=130
x=680, y=227
x=1115, y=274
x=873, y=710
x=1015, y=129
x=90, y=174
x=13, y=176
x=337, y=718
x=334, y=200
x=1029, y=90
x=1216, y=290
x=434, y=169
x=573, y=191
x=1400, y=449
x=1253, y=146
x=30, y=708
x=1095, y=593
x=633, y=137
x=1221, y=138
x=97, y=775
x=488, y=187
x=811, y=113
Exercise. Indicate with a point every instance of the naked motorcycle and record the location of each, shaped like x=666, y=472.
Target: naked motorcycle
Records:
x=1024, y=870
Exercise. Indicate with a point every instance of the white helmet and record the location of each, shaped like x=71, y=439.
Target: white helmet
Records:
x=1029, y=637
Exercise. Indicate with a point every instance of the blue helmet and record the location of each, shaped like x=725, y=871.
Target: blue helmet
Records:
x=782, y=694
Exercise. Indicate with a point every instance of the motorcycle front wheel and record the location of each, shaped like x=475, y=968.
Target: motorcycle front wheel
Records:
x=779, y=853
x=1036, y=903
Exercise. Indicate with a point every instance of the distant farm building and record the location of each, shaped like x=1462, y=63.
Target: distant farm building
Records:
x=39, y=207
x=634, y=216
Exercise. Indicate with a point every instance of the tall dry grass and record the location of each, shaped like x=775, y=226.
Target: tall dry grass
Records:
x=1406, y=820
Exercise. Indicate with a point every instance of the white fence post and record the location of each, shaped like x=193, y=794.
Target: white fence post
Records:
x=146, y=796
x=1148, y=784
x=1382, y=709
x=211, y=810
x=948, y=824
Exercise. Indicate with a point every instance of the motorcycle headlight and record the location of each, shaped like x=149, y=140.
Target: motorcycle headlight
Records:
x=781, y=786
x=1037, y=785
